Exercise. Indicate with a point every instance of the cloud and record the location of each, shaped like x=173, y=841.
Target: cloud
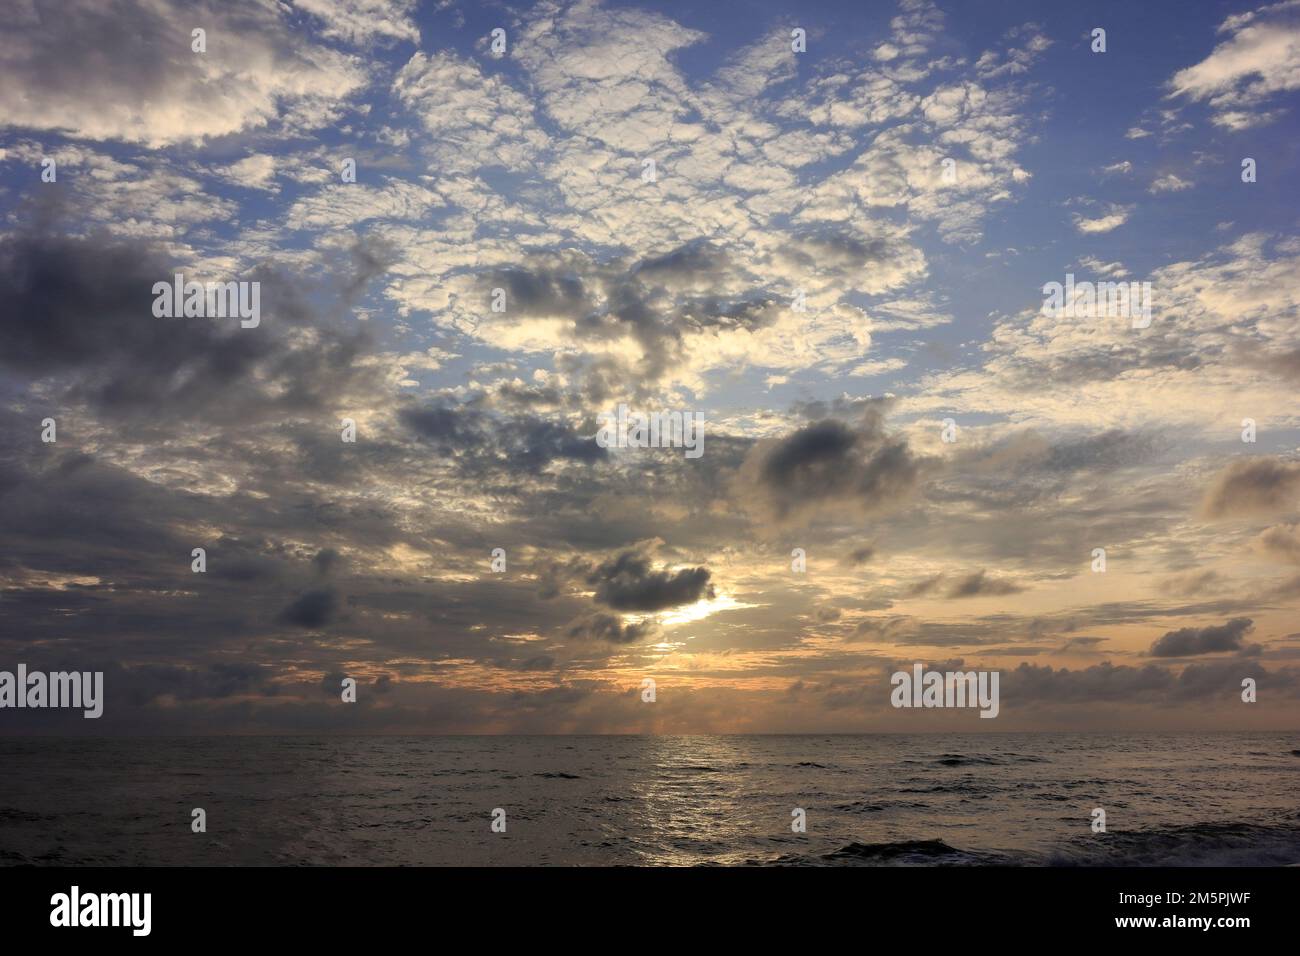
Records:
x=1110, y=270
x=1253, y=486
x=325, y=560
x=253, y=172
x=144, y=369
x=1170, y=183
x=1108, y=451
x=607, y=73
x=975, y=584
x=1100, y=682
x=1113, y=219
x=859, y=556
x=346, y=204
x=979, y=584
x=626, y=582
x=828, y=465
x=1259, y=59
x=1234, y=308
x=85, y=69
x=610, y=628
x=1284, y=363
x=478, y=441
x=1281, y=543
x=362, y=21
x=1122, y=684
x=476, y=118
x=802, y=234
x=312, y=609
x=1213, y=639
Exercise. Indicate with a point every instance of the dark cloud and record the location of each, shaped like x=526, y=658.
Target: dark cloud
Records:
x=849, y=254
x=1108, y=451
x=1150, y=683
x=85, y=306
x=1252, y=486
x=628, y=583
x=539, y=662
x=479, y=441
x=517, y=395
x=829, y=464
x=1100, y=682
x=147, y=683
x=923, y=586
x=1284, y=364
x=81, y=69
x=1080, y=643
x=890, y=630
x=656, y=301
x=538, y=292
x=979, y=583
x=974, y=584
x=325, y=560
x=1214, y=639
x=609, y=627
x=312, y=609
x=331, y=683
x=689, y=265
x=78, y=313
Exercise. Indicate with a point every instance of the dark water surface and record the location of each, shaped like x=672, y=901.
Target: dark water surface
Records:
x=1175, y=799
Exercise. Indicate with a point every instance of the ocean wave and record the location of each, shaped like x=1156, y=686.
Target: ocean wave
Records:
x=966, y=788
x=1198, y=844
x=966, y=760
x=1201, y=844
x=899, y=853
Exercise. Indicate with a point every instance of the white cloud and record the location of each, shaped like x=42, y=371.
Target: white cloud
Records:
x=254, y=172
x=1099, y=267
x=342, y=204
x=1216, y=322
x=607, y=73
x=1260, y=59
x=1170, y=183
x=1114, y=217
x=361, y=21
x=476, y=119
x=878, y=367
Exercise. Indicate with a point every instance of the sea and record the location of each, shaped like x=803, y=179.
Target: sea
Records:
x=1228, y=799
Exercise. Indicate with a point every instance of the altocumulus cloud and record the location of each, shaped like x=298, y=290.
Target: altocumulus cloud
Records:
x=1214, y=639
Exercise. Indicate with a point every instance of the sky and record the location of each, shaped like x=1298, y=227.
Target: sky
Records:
x=826, y=228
